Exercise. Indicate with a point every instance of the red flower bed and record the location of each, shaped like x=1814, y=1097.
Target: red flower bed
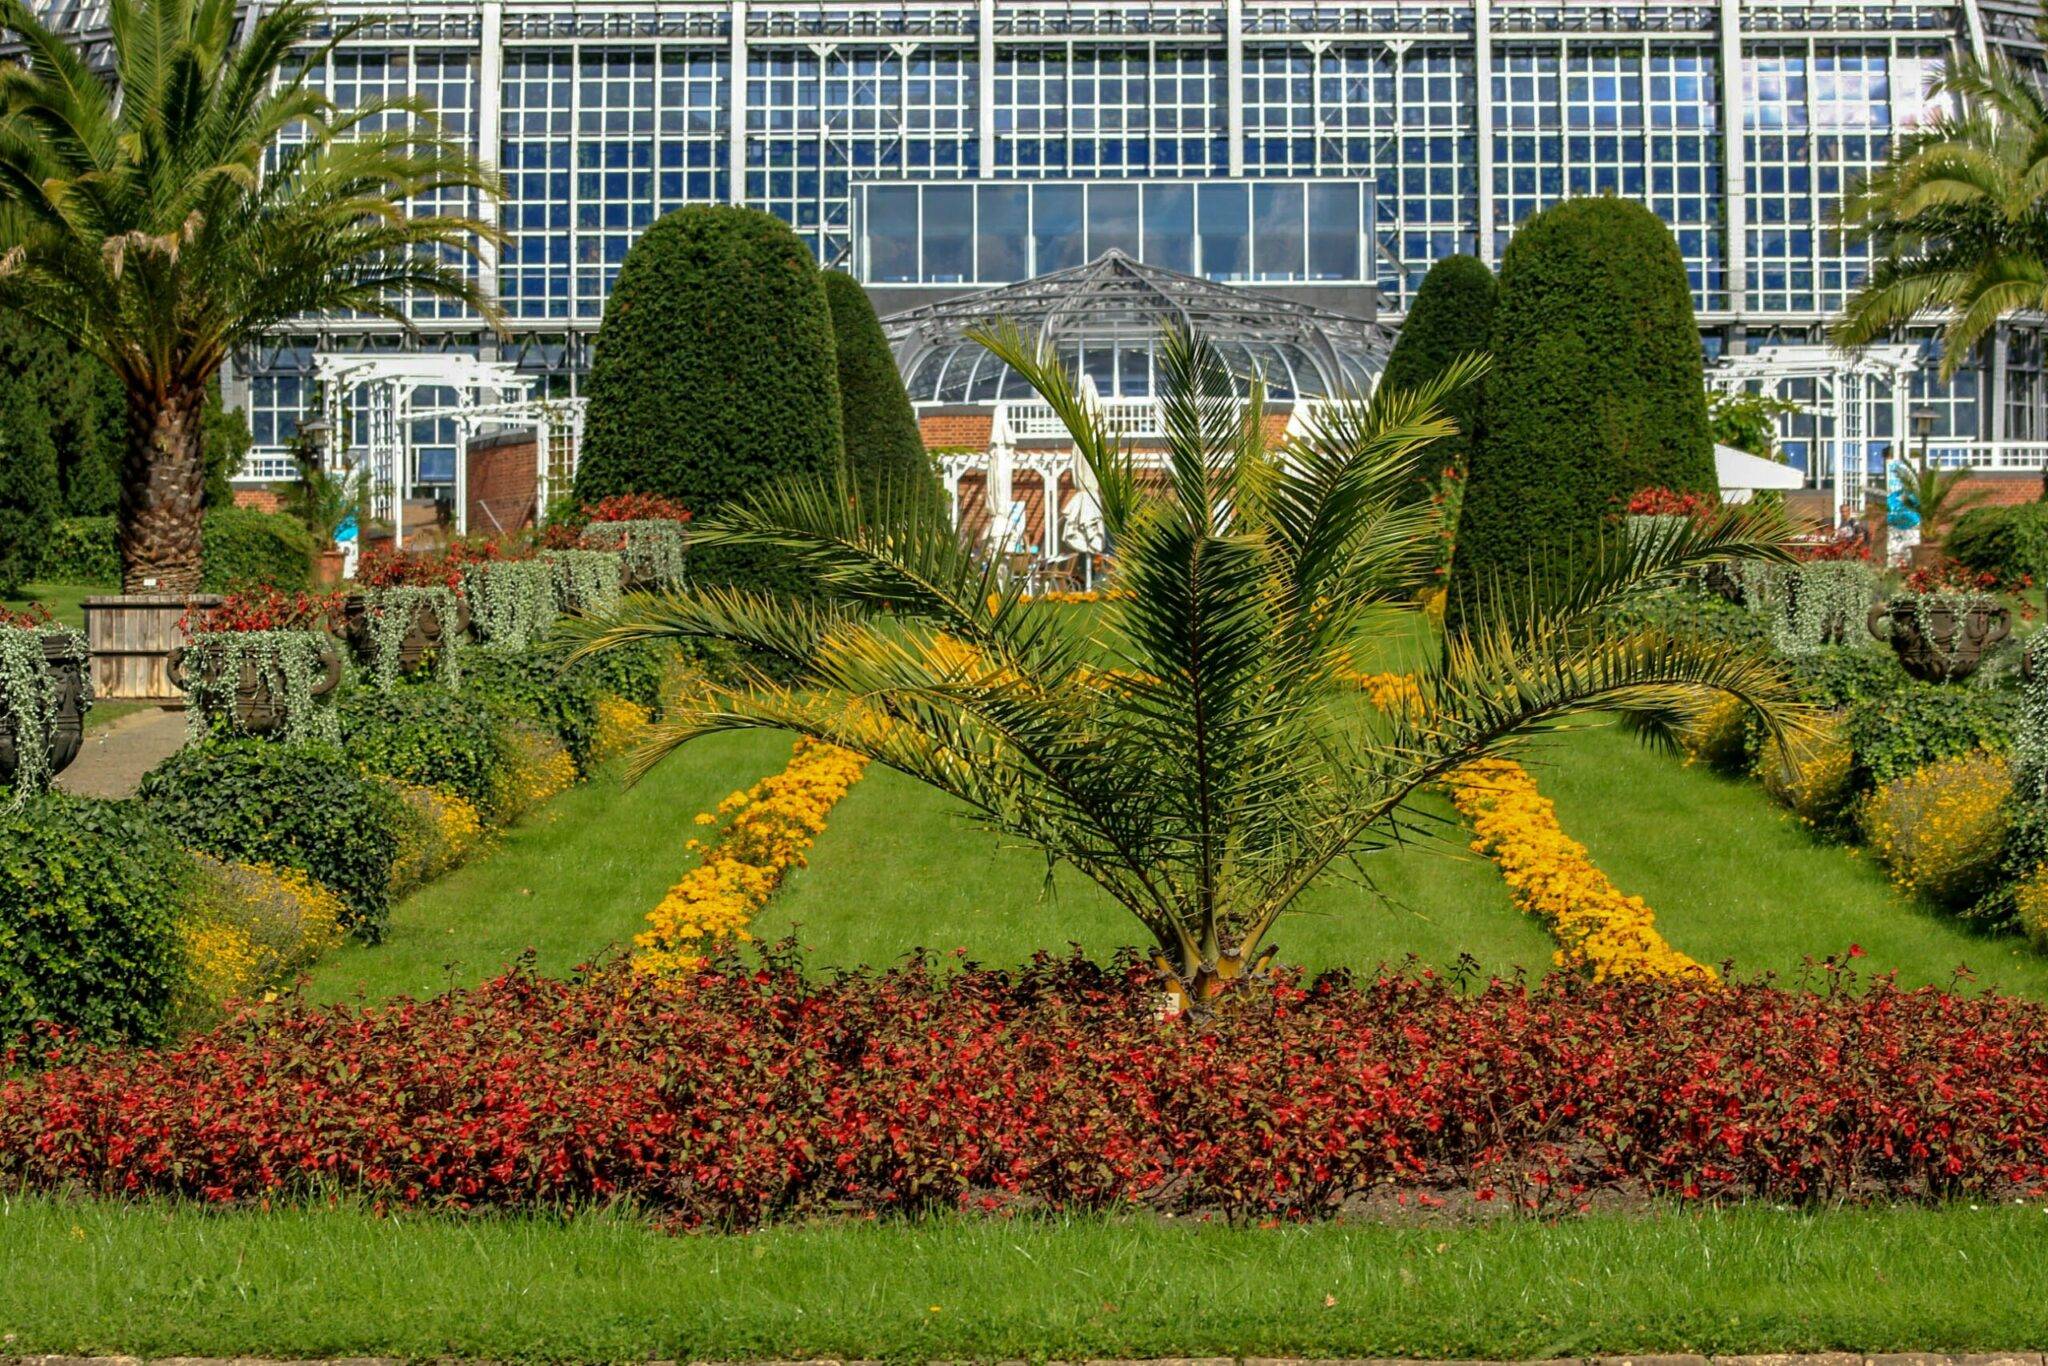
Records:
x=745, y=1097
x=637, y=507
x=268, y=609
x=385, y=568
x=1663, y=502
x=33, y=617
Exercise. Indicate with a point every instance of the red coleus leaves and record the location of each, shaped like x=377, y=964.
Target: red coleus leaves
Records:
x=267, y=609
x=744, y=1096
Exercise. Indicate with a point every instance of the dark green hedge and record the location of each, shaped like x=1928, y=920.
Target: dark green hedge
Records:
x=1596, y=392
x=29, y=493
x=1452, y=316
x=884, y=450
x=243, y=547
x=2006, y=541
x=89, y=903
x=714, y=373
x=531, y=684
x=307, y=807
x=427, y=735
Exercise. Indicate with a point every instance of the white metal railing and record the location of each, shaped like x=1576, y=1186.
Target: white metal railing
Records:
x=1989, y=455
x=1126, y=417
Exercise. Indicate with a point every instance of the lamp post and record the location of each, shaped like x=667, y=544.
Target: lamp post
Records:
x=1923, y=551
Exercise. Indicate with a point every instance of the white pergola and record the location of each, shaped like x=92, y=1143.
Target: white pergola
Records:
x=371, y=400
x=1847, y=386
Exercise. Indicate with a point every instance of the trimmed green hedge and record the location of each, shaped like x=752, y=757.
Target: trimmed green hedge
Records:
x=426, y=735
x=2006, y=541
x=1452, y=316
x=243, y=548
x=29, y=493
x=90, y=897
x=714, y=373
x=884, y=449
x=533, y=685
x=1596, y=393
x=306, y=807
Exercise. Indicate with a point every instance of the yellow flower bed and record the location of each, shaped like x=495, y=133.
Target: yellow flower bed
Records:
x=248, y=928
x=439, y=830
x=620, y=725
x=1940, y=831
x=537, y=770
x=1596, y=926
x=771, y=825
x=1388, y=691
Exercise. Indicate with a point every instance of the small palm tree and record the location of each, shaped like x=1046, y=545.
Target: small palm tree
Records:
x=1957, y=215
x=1933, y=495
x=139, y=220
x=1205, y=750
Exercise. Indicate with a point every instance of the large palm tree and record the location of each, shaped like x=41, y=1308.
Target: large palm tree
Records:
x=1958, y=216
x=195, y=195
x=1204, y=751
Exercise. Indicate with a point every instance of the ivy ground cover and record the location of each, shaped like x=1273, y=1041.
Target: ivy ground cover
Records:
x=157, y=1280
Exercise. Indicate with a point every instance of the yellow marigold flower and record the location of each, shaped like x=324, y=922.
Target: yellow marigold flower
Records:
x=1550, y=875
x=773, y=823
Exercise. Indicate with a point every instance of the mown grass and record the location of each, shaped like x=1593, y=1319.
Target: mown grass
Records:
x=574, y=879
x=157, y=1280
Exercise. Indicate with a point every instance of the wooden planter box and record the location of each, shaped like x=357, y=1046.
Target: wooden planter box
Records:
x=131, y=639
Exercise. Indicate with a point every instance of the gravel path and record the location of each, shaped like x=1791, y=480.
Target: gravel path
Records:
x=117, y=754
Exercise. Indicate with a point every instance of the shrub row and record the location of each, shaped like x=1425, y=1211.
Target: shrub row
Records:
x=242, y=547
x=744, y=1096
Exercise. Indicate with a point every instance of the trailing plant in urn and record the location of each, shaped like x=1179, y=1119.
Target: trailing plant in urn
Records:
x=45, y=691
x=410, y=609
x=649, y=532
x=586, y=581
x=260, y=663
x=511, y=602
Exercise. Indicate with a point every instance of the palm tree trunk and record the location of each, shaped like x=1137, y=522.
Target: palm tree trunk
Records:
x=1197, y=983
x=163, y=482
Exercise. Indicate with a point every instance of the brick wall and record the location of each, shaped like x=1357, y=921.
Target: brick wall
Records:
x=503, y=481
x=261, y=499
x=943, y=430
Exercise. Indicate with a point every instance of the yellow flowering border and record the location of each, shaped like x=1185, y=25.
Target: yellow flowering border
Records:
x=772, y=824
x=1551, y=876
x=1596, y=925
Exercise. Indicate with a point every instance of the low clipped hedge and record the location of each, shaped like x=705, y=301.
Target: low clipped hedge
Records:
x=533, y=685
x=305, y=807
x=2006, y=541
x=243, y=547
x=426, y=735
x=90, y=902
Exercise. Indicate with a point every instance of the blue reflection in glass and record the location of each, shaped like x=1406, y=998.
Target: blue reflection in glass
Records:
x=1002, y=234
x=1277, y=243
x=1223, y=224
x=949, y=234
x=1334, y=232
x=1112, y=220
x=1056, y=228
x=892, y=233
x=1170, y=227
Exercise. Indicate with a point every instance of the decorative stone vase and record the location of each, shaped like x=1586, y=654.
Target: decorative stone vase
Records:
x=69, y=667
x=1722, y=581
x=1939, y=643
x=422, y=637
x=259, y=704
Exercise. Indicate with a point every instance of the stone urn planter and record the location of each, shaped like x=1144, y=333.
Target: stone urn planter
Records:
x=67, y=666
x=246, y=684
x=421, y=640
x=327, y=567
x=1940, y=639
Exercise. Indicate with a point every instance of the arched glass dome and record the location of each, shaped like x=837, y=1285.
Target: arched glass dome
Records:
x=1104, y=320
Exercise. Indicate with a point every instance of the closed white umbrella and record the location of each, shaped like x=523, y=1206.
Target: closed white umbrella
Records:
x=1002, y=462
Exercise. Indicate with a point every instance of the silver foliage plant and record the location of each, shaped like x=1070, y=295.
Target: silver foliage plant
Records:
x=392, y=612
x=289, y=664
x=655, y=551
x=28, y=699
x=586, y=581
x=1810, y=605
x=511, y=602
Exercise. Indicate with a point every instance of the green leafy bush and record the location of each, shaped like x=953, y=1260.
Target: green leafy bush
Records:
x=884, y=449
x=243, y=548
x=427, y=735
x=1452, y=315
x=1903, y=729
x=305, y=807
x=1839, y=675
x=29, y=495
x=533, y=685
x=2006, y=541
x=89, y=903
x=634, y=671
x=714, y=373
x=1685, y=610
x=1596, y=392
x=82, y=550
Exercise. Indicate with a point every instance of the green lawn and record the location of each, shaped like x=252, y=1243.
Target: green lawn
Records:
x=158, y=1281
x=65, y=600
x=899, y=867
x=1732, y=875
x=580, y=875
